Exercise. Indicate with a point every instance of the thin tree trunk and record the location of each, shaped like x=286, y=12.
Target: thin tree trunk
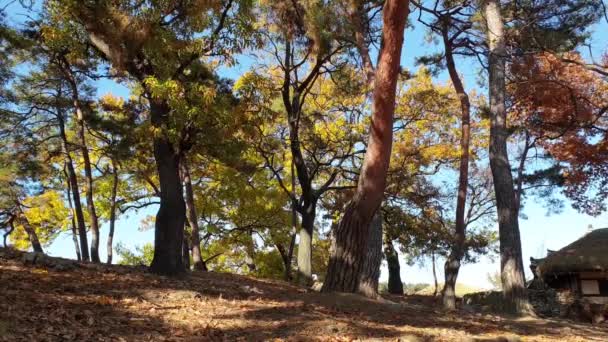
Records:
x=197, y=259
x=452, y=264
x=395, y=285
x=82, y=230
x=250, y=252
x=434, y=274
x=347, y=258
x=186, y=253
x=291, y=97
x=84, y=150
x=370, y=273
x=70, y=206
x=31, y=231
x=511, y=262
x=292, y=246
x=112, y=212
x=89, y=187
x=358, y=19
x=169, y=226
x=294, y=225
x=520, y=171
x=11, y=224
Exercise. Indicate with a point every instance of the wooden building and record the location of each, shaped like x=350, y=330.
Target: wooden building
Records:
x=580, y=268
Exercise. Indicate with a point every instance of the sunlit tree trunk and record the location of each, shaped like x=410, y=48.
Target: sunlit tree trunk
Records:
x=250, y=252
x=72, y=219
x=31, y=231
x=84, y=151
x=82, y=230
x=305, y=243
x=452, y=264
x=197, y=259
x=511, y=262
x=112, y=212
x=352, y=233
x=434, y=273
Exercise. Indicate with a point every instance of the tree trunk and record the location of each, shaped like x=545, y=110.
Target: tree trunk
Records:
x=250, y=252
x=294, y=226
x=448, y=294
x=358, y=18
x=434, y=274
x=9, y=231
x=197, y=259
x=186, y=253
x=112, y=212
x=395, y=285
x=89, y=187
x=73, y=185
x=305, y=243
x=169, y=226
x=289, y=258
x=31, y=232
x=84, y=150
x=511, y=262
x=370, y=273
x=74, y=232
x=351, y=236
x=452, y=264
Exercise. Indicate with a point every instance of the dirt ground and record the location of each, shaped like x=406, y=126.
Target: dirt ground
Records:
x=118, y=303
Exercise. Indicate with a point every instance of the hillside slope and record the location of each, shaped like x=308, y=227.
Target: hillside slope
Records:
x=117, y=303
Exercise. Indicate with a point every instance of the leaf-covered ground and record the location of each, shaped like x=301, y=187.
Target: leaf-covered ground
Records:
x=117, y=303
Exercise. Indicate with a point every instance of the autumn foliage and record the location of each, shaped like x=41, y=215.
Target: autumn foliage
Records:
x=564, y=104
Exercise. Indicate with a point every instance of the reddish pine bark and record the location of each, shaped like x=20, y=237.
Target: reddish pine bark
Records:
x=351, y=236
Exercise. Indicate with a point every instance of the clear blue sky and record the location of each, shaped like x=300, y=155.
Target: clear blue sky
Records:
x=538, y=232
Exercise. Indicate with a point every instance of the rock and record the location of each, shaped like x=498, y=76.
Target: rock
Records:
x=64, y=266
x=409, y=338
x=316, y=286
x=251, y=289
x=32, y=258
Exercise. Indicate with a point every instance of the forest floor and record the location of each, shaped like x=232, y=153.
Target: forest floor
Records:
x=118, y=303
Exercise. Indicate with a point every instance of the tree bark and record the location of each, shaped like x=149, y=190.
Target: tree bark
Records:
x=395, y=285
x=112, y=212
x=186, y=253
x=452, y=264
x=73, y=185
x=511, y=262
x=70, y=206
x=89, y=187
x=289, y=257
x=370, y=273
x=347, y=258
x=171, y=216
x=358, y=20
x=305, y=244
x=84, y=150
x=250, y=252
x=197, y=260
x=31, y=231
x=9, y=231
x=434, y=273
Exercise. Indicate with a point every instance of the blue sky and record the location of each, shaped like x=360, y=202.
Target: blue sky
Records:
x=538, y=231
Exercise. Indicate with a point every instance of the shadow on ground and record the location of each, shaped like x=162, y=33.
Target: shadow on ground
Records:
x=127, y=304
